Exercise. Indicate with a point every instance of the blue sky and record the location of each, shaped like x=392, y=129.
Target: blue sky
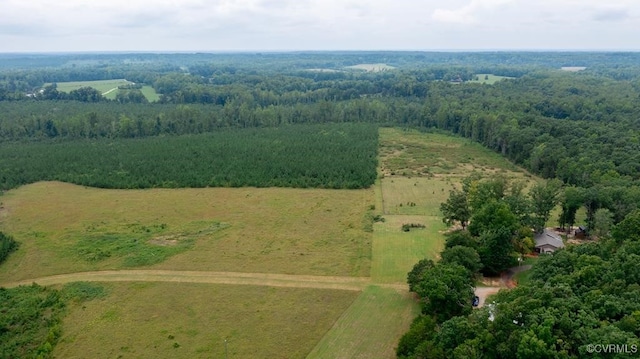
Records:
x=282, y=25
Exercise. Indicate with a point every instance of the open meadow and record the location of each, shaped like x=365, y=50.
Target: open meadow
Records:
x=67, y=228
x=187, y=320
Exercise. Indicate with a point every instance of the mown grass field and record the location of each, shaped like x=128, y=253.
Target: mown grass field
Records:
x=67, y=228
x=182, y=320
x=371, y=327
x=150, y=93
x=395, y=251
x=100, y=85
x=489, y=79
x=108, y=88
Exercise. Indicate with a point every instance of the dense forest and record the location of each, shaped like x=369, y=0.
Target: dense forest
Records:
x=321, y=156
x=579, y=298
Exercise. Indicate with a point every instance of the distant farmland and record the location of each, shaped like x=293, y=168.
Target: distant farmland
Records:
x=371, y=67
x=489, y=79
x=108, y=88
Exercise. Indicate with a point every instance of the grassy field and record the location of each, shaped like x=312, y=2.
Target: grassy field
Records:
x=371, y=327
x=415, y=195
x=395, y=252
x=489, y=79
x=371, y=67
x=417, y=171
x=180, y=320
x=108, y=88
x=101, y=85
x=410, y=153
x=150, y=93
x=67, y=228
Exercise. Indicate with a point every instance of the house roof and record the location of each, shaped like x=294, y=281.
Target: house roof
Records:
x=548, y=238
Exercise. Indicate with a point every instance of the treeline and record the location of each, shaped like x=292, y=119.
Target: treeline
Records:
x=576, y=127
x=578, y=298
x=321, y=156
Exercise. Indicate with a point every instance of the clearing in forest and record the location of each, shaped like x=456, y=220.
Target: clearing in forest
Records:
x=100, y=85
x=108, y=88
x=489, y=79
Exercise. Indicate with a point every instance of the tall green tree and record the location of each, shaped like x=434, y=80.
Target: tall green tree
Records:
x=464, y=256
x=571, y=199
x=497, y=252
x=446, y=291
x=456, y=209
x=545, y=197
x=493, y=216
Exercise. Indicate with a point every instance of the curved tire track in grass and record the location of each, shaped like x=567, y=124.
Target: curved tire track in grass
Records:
x=261, y=279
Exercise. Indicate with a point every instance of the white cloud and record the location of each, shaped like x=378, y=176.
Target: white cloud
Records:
x=469, y=13
x=81, y=25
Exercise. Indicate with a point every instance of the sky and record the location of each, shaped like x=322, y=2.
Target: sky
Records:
x=292, y=25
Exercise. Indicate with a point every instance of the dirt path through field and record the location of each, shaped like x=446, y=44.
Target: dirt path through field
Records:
x=262, y=279
x=106, y=93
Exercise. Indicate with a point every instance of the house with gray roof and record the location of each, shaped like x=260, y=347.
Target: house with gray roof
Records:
x=548, y=242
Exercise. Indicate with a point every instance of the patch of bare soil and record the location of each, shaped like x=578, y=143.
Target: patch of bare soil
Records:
x=164, y=241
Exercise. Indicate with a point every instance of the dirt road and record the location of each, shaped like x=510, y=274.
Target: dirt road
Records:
x=484, y=292
x=263, y=279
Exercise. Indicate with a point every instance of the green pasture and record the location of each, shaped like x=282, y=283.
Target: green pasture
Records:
x=150, y=93
x=67, y=228
x=183, y=320
x=370, y=327
x=395, y=251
